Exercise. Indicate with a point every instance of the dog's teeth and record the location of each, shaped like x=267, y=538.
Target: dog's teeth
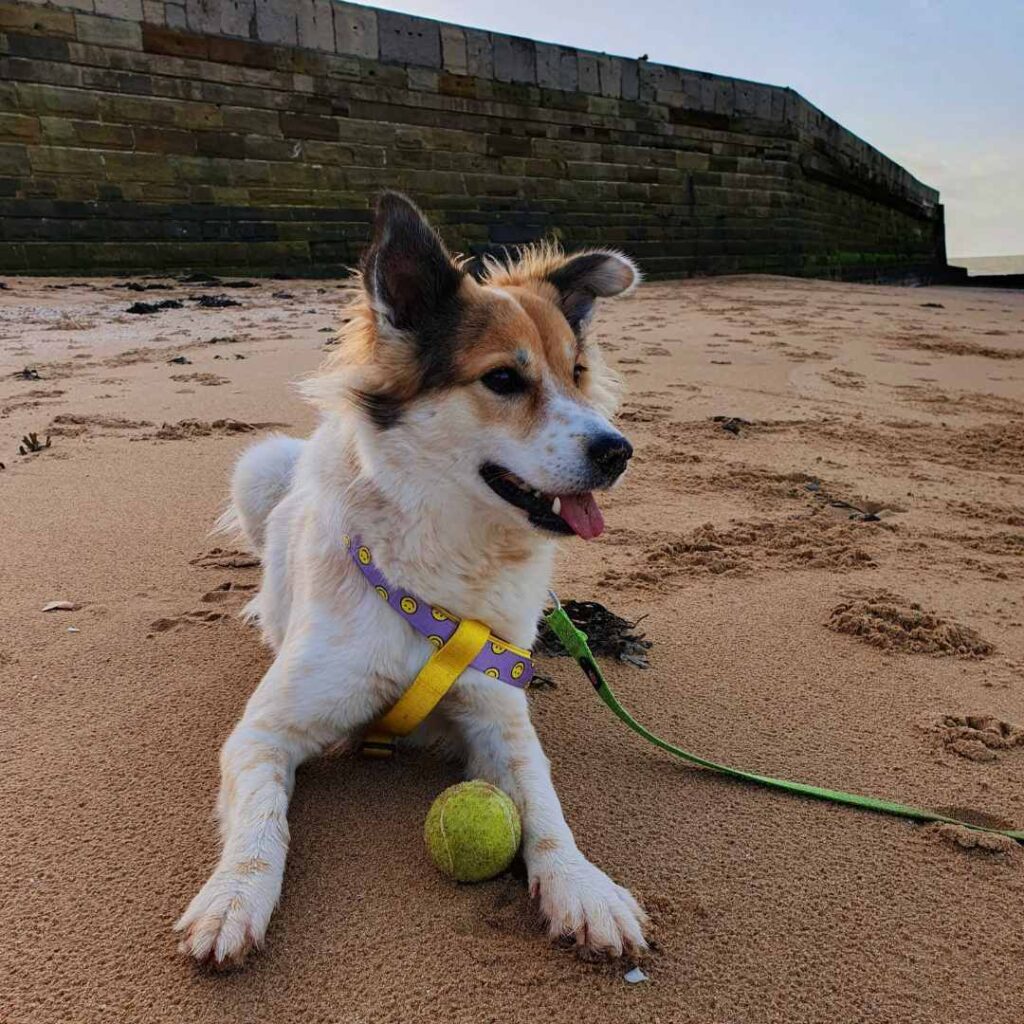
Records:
x=556, y=506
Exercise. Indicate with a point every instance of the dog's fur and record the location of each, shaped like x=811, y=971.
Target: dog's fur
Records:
x=407, y=424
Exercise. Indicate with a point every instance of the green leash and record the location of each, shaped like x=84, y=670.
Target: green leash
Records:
x=575, y=642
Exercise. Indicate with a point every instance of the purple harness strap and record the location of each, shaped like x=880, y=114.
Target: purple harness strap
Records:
x=498, y=659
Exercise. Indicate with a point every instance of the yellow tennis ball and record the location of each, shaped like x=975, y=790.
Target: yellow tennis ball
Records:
x=472, y=831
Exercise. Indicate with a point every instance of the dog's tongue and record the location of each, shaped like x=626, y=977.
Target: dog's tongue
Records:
x=580, y=511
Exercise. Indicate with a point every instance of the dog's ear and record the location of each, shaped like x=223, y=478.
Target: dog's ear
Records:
x=407, y=272
x=582, y=279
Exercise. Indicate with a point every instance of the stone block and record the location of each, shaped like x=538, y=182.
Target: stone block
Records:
x=48, y=99
x=515, y=60
x=630, y=80
x=668, y=86
x=333, y=153
x=58, y=131
x=589, y=78
x=453, y=50
x=718, y=95
x=174, y=43
x=164, y=140
x=752, y=99
x=422, y=79
x=14, y=160
x=479, y=53
x=315, y=24
x=220, y=144
x=693, y=161
x=508, y=145
x=129, y=10
x=408, y=40
x=556, y=67
x=259, y=147
x=356, y=31
x=36, y=47
x=308, y=126
x=154, y=12
x=102, y=136
x=647, y=74
x=215, y=17
x=48, y=160
x=141, y=166
x=376, y=133
x=19, y=18
x=124, y=35
x=18, y=127
x=241, y=51
x=691, y=86
x=12, y=257
x=609, y=73
x=276, y=22
x=250, y=119
x=176, y=16
x=136, y=110
x=745, y=101
x=117, y=81
x=603, y=107
x=548, y=57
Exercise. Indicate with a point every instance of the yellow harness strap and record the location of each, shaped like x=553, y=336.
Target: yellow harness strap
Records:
x=432, y=682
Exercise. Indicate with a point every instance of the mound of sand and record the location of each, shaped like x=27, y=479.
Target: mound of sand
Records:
x=73, y=425
x=896, y=624
x=1002, y=847
x=201, y=428
x=978, y=737
x=811, y=541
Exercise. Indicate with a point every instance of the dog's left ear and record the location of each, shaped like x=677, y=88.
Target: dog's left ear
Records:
x=583, y=279
x=407, y=271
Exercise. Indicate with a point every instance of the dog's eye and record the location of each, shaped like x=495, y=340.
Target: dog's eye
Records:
x=577, y=373
x=504, y=381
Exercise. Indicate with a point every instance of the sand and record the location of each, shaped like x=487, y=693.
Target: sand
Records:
x=905, y=406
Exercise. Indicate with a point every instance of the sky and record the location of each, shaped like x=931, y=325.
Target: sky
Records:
x=937, y=85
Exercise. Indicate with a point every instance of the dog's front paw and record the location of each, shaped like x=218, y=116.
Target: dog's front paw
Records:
x=579, y=900
x=227, y=918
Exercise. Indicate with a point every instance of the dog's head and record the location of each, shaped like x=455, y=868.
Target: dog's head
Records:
x=488, y=390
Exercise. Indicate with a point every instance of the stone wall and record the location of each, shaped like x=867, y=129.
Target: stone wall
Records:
x=253, y=134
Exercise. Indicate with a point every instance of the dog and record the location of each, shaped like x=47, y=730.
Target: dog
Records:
x=465, y=426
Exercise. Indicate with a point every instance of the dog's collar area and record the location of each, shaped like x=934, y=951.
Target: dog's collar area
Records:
x=459, y=644
x=497, y=659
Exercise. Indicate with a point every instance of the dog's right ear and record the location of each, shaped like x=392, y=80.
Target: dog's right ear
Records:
x=407, y=272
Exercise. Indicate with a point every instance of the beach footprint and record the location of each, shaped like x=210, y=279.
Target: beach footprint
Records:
x=980, y=738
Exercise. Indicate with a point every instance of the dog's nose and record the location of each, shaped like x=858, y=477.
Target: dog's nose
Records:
x=609, y=453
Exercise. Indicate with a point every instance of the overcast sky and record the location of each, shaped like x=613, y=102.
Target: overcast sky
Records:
x=938, y=85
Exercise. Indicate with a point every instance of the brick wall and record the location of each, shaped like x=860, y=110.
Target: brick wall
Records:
x=252, y=135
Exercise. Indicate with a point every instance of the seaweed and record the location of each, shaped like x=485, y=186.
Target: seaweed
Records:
x=608, y=634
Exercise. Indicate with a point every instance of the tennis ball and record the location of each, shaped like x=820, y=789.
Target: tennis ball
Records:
x=472, y=831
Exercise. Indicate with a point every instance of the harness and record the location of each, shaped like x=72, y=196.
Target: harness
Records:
x=459, y=644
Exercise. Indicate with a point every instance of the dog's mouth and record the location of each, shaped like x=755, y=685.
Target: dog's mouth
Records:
x=566, y=514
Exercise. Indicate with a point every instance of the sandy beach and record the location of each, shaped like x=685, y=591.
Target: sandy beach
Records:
x=824, y=527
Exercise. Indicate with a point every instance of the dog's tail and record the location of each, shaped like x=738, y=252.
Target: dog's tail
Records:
x=261, y=479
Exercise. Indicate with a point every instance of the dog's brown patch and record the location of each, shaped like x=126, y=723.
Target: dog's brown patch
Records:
x=520, y=326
